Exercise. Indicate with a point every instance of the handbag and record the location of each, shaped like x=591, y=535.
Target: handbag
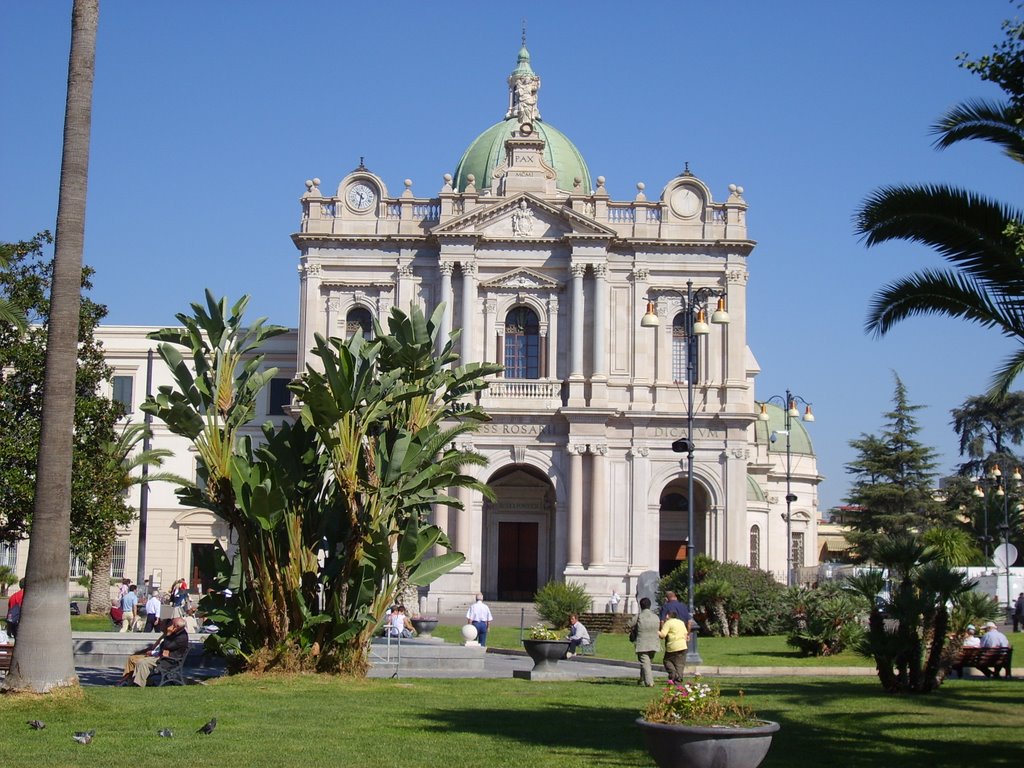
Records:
x=633, y=632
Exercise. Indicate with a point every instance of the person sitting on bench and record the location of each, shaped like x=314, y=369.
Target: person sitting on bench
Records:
x=172, y=646
x=578, y=635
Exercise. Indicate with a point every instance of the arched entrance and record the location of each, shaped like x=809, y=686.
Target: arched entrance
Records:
x=673, y=524
x=518, y=527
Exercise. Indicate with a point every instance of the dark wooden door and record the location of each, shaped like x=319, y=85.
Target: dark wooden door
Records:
x=517, y=561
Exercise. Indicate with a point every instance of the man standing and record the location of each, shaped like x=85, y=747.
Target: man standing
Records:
x=152, y=611
x=672, y=604
x=479, y=615
x=129, y=607
x=1018, y=612
x=14, y=609
x=172, y=646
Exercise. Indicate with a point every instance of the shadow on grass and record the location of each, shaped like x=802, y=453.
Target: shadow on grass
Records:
x=838, y=722
x=602, y=735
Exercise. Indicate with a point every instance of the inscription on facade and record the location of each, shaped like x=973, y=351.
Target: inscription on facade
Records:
x=532, y=430
x=681, y=432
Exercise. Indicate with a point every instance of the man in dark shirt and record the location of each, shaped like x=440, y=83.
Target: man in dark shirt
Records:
x=672, y=604
x=172, y=646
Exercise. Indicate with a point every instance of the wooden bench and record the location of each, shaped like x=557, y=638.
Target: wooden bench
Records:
x=988, y=660
x=589, y=648
x=6, y=653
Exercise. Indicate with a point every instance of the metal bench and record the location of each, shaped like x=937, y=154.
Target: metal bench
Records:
x=171, y=671
x=988, y=660
x=588, y=649
x=6, y=653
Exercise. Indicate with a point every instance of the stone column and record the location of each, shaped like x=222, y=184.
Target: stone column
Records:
x=469, y=310
x=462, y=529
x=600, y=320
x=490, y=340
x=445, y=268
x=574, y=538
x=598, y=506
x=552, y=339
x=576, y=363
x=309, y=310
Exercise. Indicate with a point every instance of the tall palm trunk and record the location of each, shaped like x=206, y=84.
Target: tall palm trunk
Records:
x=43, y=658
x=99, y=586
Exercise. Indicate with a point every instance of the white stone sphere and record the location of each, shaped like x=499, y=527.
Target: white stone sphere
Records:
x=468, y=632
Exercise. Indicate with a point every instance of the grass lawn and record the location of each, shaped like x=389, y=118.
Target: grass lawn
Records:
x=313, y=721
x=716, y=651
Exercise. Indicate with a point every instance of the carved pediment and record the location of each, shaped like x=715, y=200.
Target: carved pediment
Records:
x=521, y=278
x=523, y=217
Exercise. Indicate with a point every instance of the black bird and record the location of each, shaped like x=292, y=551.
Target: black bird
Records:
x=84, y=737
x=208, y=728
x=166, y=732
x=37, y=724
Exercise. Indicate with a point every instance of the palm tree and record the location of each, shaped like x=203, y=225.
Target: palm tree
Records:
x=43, y=659
x=982, y=240
x=119, y=470
x=9, y=313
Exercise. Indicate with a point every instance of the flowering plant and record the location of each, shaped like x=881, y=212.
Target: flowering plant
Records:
x=540, y=632
x=698, y=703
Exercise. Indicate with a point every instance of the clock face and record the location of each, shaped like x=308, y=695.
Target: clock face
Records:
x=685, y=202
x=361, y=197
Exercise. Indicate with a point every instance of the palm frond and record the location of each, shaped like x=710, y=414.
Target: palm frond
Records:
x=990, y=121
x=967, y=229
x=950, y=294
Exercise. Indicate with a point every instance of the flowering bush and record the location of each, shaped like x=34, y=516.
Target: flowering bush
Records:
x=540, y=632
x=698, y=703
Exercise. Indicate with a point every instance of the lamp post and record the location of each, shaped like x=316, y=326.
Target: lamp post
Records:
x=1002, y=487
x=695, y=324
x=789, y=407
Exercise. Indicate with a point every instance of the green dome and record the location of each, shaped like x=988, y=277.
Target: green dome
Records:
x=488, y=151
x=799, y=440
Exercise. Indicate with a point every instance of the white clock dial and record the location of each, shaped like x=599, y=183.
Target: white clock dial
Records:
x=361, y=197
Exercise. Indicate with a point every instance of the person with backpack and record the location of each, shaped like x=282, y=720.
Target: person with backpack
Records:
x=14, y=610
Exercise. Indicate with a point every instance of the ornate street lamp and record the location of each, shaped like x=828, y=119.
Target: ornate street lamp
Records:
x=789, y=407
x=995, y=479
x=695, y=325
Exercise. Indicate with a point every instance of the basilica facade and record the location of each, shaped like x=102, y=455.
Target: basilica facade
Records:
x=621, y=325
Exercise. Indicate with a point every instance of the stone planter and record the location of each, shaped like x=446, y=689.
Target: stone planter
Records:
x=692, y=746
x=424, y=627
x=546, y=653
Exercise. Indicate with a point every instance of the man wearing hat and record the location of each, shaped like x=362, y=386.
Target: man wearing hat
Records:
x=993, y=638
x=972, y=640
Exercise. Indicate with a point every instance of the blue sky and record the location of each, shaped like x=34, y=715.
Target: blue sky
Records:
x=208, y=117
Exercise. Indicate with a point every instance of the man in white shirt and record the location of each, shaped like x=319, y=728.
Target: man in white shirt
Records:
x=479, y=615
x=578, y=634
x=152, y=611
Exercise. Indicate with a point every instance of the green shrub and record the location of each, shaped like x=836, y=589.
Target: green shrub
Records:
x=973, y=608
x=755, y=604
x=556, y=600
x=825, y=620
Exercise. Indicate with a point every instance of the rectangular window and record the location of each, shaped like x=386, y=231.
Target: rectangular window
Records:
x=117, y=562
x=76, y=566
x=9, y=555
x=280, y=397
x=797, y=551
x=123, y=392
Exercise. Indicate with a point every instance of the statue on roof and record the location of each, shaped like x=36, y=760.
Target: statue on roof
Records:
x=523, y=85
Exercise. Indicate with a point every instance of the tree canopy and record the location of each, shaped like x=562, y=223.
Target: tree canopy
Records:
x=894, y=480
x=97, y=497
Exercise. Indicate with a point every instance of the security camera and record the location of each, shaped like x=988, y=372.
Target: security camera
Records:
x=774, y=436
x=682, y=445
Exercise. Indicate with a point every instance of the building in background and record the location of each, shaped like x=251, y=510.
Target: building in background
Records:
x=545, y=273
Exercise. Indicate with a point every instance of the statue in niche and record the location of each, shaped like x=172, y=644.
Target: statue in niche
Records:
x=522, y=220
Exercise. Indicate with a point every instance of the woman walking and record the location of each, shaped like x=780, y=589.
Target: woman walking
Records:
x=643, y=631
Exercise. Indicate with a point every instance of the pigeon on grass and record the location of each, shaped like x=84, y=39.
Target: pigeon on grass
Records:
x=84, y=737
x=208, y=728
x=36, y=724
x=166, y=733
